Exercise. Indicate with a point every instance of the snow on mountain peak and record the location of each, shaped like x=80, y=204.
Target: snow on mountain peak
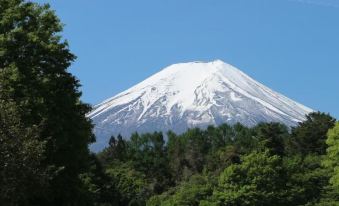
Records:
x=193, y=94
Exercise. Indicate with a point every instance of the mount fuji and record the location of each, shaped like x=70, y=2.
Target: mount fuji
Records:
x=194, y=94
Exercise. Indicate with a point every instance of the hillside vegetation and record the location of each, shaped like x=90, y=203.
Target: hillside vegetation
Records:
x=228, y=165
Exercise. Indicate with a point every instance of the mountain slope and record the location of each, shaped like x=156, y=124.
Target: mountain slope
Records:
x=194, y=94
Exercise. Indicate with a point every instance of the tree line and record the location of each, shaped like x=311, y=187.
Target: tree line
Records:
x=44, y=138
x=268, y=164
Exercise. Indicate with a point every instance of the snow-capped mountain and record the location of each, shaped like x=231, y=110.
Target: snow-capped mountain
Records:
x=194, y=94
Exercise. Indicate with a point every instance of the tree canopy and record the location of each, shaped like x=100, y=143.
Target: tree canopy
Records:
x=40, y=92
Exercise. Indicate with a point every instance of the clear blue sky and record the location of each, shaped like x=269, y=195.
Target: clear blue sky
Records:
x=292, y=46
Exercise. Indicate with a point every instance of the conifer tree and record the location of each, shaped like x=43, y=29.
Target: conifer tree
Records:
x=310, y=136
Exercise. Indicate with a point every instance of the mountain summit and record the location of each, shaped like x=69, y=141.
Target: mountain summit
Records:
x=194, y=94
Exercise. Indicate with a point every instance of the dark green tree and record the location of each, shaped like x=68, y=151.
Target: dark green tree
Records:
x=100, y=187
x=133, y=185
x=243, y=138
x=272, y=137
x=117, y=150
x=176, y=155
x=33, y=74
x=196, y=149
x=149, y=156
x=306, y=178
x=310, y=136
x=22, y=175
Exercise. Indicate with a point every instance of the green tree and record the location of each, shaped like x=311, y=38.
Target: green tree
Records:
x=243, y=138
x=310, y=136
x=196, y=149
x=272, y=137
x=22, y=175
x=332, y=157
x=217, y=161
x=33, y=74
x=117, y=150
x=187, y=153
x=331, y=163
x=148, y=154
x=258, y=180
x=190, y=193
x=100, y=186
x=306, y=178
x=131, y=184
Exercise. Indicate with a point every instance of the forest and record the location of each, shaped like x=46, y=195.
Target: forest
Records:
x=45, y=137
x=268, y=164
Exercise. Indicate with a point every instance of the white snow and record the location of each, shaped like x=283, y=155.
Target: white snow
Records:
x=197, y=87
x=180, y=81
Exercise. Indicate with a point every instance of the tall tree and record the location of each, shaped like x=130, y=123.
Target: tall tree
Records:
x=33, y=74
x=310, y=136
x=332, y=160
x=176, y=151
x=272, y=137
x=331, y=163
x=21, y=153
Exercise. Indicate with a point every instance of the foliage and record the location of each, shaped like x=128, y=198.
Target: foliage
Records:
x=331, y=163
x=191, y=192
x=131, y=184
x=310, y=136
x=258, y=180
x=99, y=186
x=332, y=157
x=34, y=79
x=306, y=178
x=254, y=166
x=272, y=136
x=21, y=155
